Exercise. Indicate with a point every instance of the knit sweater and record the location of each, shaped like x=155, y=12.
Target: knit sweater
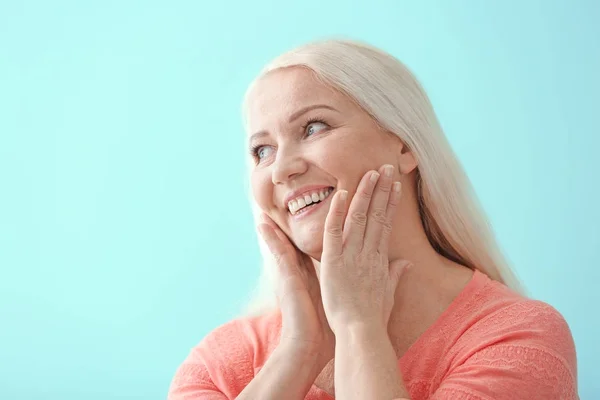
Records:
x=489, y=344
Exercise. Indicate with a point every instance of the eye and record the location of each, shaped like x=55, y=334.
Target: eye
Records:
x=314, y=127
x=261, y=152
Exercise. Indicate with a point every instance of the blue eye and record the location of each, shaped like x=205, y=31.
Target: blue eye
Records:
x=314, y=127
x=261, y=152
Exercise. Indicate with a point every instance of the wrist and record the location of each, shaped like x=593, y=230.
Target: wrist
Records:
x=360, y=332
x=303, y=360
x=287, y=373
x=305, y=350
x=305, y=354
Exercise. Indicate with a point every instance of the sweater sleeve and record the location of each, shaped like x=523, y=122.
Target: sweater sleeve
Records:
x=219, y=368
x=533, y=360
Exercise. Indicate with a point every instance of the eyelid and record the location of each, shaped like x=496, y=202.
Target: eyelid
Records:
x=314, y=120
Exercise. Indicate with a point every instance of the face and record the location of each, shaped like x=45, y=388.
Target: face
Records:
x=309, y=140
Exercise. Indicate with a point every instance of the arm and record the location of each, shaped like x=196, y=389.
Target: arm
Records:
x=208, y=375
x=366, y=366
x=288, y=374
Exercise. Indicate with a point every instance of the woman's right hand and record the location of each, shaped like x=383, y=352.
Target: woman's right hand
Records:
x=305, y=329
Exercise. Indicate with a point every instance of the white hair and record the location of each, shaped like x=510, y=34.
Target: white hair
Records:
x=451, y=214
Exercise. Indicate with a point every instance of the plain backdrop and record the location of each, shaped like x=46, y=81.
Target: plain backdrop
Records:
x=125, y=231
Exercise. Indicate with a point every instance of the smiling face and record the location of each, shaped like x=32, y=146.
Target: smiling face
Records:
x=309, y=140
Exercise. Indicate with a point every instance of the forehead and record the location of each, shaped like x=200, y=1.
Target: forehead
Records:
x=280, y=93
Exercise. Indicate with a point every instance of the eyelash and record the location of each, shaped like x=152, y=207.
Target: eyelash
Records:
x=255, y=148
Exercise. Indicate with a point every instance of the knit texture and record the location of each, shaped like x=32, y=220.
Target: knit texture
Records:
x=490, y=344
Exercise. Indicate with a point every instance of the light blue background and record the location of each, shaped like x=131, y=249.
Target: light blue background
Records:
x=125, y=233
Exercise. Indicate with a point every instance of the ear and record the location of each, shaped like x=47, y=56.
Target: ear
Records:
x=406, y=159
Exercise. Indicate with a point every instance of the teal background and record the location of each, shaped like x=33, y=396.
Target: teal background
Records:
x=125, y=232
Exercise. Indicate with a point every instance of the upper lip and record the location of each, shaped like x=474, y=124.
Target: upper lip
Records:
x=291, y=195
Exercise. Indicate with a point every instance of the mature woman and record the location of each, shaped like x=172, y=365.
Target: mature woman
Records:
x=386, y=276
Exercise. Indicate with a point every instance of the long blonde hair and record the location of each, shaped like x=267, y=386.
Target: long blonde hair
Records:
x=450, y=211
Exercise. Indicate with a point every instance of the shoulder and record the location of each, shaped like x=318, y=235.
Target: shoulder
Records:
x=509, y=318
x=227, y=358
x=517, y=343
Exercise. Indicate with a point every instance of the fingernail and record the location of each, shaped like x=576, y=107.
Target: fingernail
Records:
x=374, y=177
x=389, y=170
x=343, y=195
x=397, y=186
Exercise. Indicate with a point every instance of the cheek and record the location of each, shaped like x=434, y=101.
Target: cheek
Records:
x=331, y=154
x=346, y=159
x=262, y=189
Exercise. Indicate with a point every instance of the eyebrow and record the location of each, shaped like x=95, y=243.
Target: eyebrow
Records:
x=293, y=117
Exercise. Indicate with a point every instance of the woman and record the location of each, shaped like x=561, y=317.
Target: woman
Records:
x=387, y=277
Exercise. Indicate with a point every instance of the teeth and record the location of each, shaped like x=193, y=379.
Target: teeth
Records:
x=308, y=199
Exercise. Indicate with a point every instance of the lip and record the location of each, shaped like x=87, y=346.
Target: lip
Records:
x=296, y=193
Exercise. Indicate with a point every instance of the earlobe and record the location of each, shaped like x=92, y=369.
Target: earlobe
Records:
x=407, y=162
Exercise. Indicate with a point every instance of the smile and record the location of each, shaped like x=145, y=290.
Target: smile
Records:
x=308, y=200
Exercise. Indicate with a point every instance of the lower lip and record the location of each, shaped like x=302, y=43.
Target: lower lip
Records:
x=312, y=209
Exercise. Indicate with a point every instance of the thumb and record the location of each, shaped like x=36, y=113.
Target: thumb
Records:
x=397, y=269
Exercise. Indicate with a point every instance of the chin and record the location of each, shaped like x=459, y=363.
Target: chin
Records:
x=311, y=245
x=309, y=240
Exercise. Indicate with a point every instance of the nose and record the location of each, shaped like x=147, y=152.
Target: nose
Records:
x=288, y=164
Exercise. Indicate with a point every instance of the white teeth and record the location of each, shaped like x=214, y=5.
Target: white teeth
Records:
x=308, y=199
x=293, y=206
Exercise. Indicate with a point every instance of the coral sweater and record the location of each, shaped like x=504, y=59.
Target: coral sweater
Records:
x=490, y=343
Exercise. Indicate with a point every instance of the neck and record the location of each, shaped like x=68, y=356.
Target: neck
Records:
x=425, y=290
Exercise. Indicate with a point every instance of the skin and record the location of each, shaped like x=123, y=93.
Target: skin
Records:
x=327, y=304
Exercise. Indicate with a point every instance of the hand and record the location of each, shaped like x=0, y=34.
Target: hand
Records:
x=304, y=326
x=357, y=280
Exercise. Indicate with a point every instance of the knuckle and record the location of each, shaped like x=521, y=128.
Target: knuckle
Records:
x=387, y=227
x=378, y=214
x=359, y=218
x=335, y=231
x=339, y=213
x=386, y=188
x=364, y=194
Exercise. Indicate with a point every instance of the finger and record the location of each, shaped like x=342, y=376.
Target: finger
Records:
x=376, y=217
x=356, y=220
x=333, y=243
x=282, y=250
x=274, y=243
x=282, y=236
x=386, y=234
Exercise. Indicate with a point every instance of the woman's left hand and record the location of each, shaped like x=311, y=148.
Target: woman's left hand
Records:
x=357, y=280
